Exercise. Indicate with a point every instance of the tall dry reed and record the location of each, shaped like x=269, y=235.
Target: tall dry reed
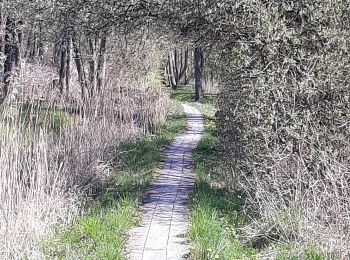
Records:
x=54, y=149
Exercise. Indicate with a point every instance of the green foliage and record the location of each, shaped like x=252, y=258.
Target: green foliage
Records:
x=154, y=77
x=313, y=253
x=217, y=215
x=283, y=112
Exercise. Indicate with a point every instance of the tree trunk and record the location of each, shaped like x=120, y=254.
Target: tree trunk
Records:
x=68, y=67
x=198, y=65
x=63, y=66
x=56, y=55
x=34, y=47
x=172, y=82
x=167, y=72
x=11, y=52
x=2, y=42
x=92, y=67
x=40, y=42
x=184, y=65
x=80, y=67
x=175, y=68
x=18, y=42
x=101, y=64
x=29, y=44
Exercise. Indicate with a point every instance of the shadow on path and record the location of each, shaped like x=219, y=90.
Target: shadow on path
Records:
x=163, y=231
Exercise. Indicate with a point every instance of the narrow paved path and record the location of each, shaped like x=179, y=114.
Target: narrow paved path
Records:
x=163, y=232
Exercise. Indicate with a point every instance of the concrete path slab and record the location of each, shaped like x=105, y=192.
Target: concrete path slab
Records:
x=162, y=234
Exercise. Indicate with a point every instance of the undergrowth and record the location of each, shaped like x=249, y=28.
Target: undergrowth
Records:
x=48, y=119
x=101, y=232
x=216, y=215
x=218, y=218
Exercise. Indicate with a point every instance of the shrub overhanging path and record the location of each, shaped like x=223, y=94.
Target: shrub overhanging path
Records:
x=163, y=231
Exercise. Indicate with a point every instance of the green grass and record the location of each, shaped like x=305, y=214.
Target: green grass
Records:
x=215, y=211
x=39, y=117
x=101, y=232
x=296, y=252
x=186, y=94
x=50, y=119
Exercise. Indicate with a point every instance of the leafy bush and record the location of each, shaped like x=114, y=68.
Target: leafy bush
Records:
x=283, y=119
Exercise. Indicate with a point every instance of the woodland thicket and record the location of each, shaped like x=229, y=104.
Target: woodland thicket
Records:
x=283, y=111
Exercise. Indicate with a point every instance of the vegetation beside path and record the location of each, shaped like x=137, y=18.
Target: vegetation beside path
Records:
x=217, y=217
x=101, y=232
x=215, y=212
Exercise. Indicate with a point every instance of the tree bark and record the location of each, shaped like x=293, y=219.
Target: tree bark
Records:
x=172, y=82
x=28, y=45
x=184, y=64
x=167, y=72
x=56, y=58
x=101, y=64
x=11, y=51
x=68, y=67
x=92, y=66
x=2, y=42
x=175, y=68
x=63, y=66
x=40, y=42
x=198, y=65
x=80, y=68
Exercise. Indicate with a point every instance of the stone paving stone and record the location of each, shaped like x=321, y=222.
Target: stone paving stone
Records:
x=163, y=231
x=154, y=254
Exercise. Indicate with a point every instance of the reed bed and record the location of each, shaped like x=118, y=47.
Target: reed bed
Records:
x=54, y=149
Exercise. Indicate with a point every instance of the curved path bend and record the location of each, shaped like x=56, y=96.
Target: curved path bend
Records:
x=162, y=234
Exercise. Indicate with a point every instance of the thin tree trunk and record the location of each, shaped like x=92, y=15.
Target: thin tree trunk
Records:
x=168, y=72
x=56, y=55
x=172, y=82
x=184, y=65
x=68, y=67
x=101, y=64
x=11, y=52
x=63, y=66
x=29, y=44
x=92, y=67
x=80, y=67
x=198, y=65
x=175, y=68
x=40, y=42
x=188, y=70
x=2, y=40
x=33, y=51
